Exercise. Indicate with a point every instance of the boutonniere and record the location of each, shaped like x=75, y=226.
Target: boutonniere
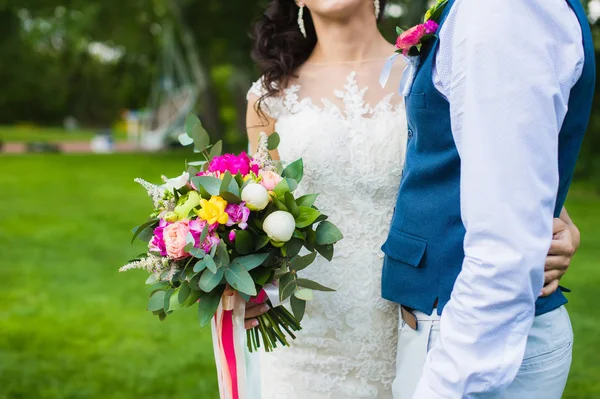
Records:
x=411, y=40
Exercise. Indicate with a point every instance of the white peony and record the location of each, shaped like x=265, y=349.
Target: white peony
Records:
x=279, y=226
x=255, y=196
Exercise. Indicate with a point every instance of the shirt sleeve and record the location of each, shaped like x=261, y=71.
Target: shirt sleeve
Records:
x=507, y=68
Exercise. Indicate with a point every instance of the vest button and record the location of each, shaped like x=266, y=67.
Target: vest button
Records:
x=410, y=134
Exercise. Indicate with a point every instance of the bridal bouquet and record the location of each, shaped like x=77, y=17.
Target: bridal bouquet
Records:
x=230, y=230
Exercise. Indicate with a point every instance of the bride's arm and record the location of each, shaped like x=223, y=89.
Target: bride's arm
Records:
x=257, y=122
x=565, y=241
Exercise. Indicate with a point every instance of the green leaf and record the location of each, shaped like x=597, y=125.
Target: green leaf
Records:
x=210, y=184
x=209, y=280
x=307, y=200
x=204, y=233
x=243, y=243
x=287, y=286
x=280, y=205
x=281, y=188
x=200, y=266
x=299, y=235
x=328, y=233
x=185, y=140
x=305, y=294
x=326, y=251
x=302, y=262
x=251, y=261
x=291, y=205
x=184, y=293
x=295, y=170
x=273, y=141
x=261, y=242
x=210, y=264
x=167, y=299
x=293, y=247
x=230, y=185
x=292, y=183
x=197, y=253
x=298, y=307
x=306, y=216
x=160, y=286
x=153, y=278
x=139, y=229
x=305, y=283
x=194, y=129
x=194, y=282
x=222, y=256
x=227, y=178
x=262, y=275
x=157, y=301
x=231, y=198
x=208, y=305
x=192, y=298
x=216, y=149
x=239, y=278
x=399, y=31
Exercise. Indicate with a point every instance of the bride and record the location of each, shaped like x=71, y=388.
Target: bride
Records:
x=321, y=60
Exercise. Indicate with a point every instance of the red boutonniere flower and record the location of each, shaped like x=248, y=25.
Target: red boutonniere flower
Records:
x=410, y=41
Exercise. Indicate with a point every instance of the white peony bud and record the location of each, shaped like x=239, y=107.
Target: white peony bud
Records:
x=279, y=226
x=255, y=196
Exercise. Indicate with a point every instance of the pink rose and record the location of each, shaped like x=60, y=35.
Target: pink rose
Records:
x=431, y=27
x=157, y=244
x=233, y=163
x=410, y=38
x=270, y=180
x=175, y=239
x=238, y=214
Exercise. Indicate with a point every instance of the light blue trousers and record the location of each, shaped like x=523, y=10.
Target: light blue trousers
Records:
x=543, y=373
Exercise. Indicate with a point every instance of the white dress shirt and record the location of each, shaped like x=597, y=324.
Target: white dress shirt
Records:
x=507, y=68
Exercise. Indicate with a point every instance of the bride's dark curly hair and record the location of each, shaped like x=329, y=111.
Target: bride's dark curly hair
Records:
x=279, y=47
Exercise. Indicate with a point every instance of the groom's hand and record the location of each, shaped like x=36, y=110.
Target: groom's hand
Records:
x=559, y=258
x=253, y=310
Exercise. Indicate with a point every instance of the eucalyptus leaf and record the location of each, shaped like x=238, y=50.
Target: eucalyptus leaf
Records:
x=221, y=255
x=210, y=184
x=306, y=216
x=208, y=305
x=305, y=283
x=159, y=286
x=328, y=233
x=287, y=286
x=210, y=264
x=231, y=198
x=184, y=293
x=197, y=253
x=157, y=301
x=153, y=278
x=200, y=266
x=295, y=170
x=185, y=140
x=204, y=233
x=261, y=242
x=216, y=149
x=167, y=299
x=293, y=247
x=239, y=278
x=194, y=129
x=305, y=294
x=302, y=262
x=298, y=307
x=139, y=229
x=273, y=141
x=209, y=280
x=227, y=178
x=197, y=163
x=326, y=251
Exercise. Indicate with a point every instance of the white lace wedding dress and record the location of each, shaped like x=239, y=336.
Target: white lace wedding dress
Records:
x=351, y=134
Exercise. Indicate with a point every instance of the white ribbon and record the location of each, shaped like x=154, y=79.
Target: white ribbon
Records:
x=408, y=75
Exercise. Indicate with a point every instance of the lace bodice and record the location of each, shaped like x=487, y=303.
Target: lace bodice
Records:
x=353, y=152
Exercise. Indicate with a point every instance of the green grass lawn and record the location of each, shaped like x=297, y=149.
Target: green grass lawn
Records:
x=72, y=327
x=30, y=133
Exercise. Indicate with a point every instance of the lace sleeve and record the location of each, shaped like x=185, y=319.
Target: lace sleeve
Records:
x=271, y=106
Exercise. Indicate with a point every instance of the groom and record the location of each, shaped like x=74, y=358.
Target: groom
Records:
x=497, y=113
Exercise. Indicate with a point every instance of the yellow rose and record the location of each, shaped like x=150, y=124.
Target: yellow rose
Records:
x=213, y=210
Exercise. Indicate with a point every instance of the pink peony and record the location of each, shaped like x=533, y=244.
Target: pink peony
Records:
x=238, y=214
x=431, y=27
x=410, y=38
x=157, y=244
x=175, y=239
x=211, y=241
x=270, y=180
x=233, y=163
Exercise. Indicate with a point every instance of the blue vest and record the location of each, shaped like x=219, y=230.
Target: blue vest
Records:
x=424, y=249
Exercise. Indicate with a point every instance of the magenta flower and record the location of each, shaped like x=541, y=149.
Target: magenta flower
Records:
x=232, y=235
x=157, y=244
x=196, y=227
x=233, y=163
x=431, y=27
x=238, y=214
x=211, y=241
x=410, y=38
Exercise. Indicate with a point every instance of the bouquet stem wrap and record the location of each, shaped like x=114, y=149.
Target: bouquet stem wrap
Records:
x=229, y=337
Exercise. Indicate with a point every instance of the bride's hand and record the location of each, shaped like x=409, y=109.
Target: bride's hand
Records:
x=253, y=310
x=564, y=245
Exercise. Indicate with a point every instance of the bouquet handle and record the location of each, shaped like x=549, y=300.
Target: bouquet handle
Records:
x=229, y=337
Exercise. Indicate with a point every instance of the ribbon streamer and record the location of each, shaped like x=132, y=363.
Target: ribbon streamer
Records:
x=407, y=76
x=229, y=337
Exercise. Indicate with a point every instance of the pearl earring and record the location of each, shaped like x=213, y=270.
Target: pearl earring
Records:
x=301, y=21
x=377, y=9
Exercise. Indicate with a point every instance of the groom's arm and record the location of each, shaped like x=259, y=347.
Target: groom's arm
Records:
x=507, y=68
